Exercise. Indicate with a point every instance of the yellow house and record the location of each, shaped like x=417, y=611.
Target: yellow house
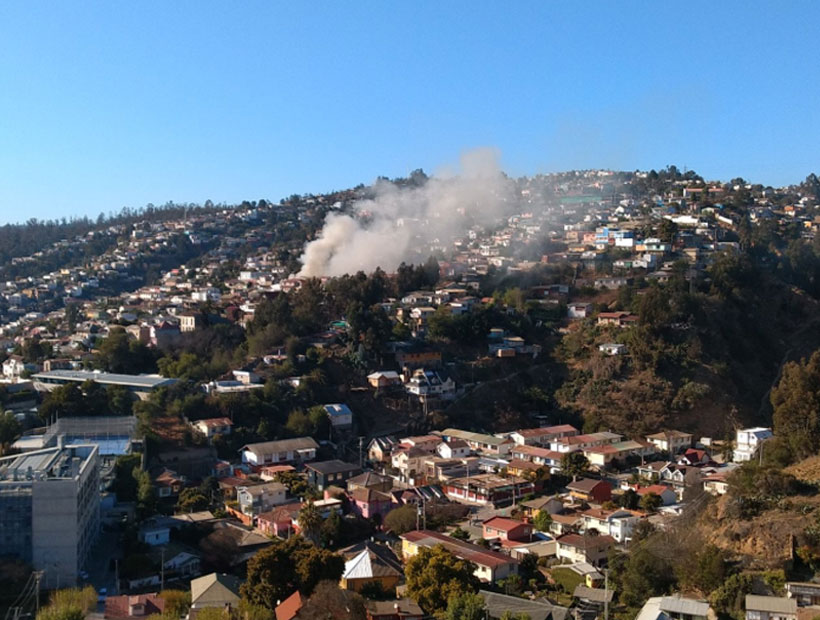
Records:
x=366, y=568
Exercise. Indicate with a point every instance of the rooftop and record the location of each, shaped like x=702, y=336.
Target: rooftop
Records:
x=52, y=463
x=79, y=376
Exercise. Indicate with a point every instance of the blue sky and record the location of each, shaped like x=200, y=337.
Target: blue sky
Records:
x=112, y=104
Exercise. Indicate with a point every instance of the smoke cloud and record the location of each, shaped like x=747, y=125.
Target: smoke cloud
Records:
x=402, y=224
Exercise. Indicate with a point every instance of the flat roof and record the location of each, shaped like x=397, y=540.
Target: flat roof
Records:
x=65, y=462
x=145, y=381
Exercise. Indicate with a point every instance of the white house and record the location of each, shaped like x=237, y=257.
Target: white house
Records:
x=453, y=449
x=747, y=442
x=612, y=348
x=616, y=523
x=214, y=426
x=340, y=415
x=579, y=310
x=261, y=497
x=298, y=449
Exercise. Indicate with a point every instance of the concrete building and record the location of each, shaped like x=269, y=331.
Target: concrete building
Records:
x=50, y=509
x=748, y=441
x=140, y=385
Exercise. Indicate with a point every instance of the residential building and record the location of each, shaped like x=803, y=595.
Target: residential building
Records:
x=289, y=608
x=748, y=441
x=672, y=442
x=50, y=509
x=215, y=590
x=500, y=605
x=667, y=495
x=491, y=566
x=259, y=498
x=133, y=606
x=399, y=609
x=296, y=450
x=213, y=426
x=326, y=473
x=590, y=490
x=370, y=480
x=453, y=449
x=370, y=503
x=384, y=379
x=340, y=415
x=806, y=593
x=770, y=608
x=506, y=529
x=617, y=523
x=481, y=442
x=485, y=489
x=366, y=568
x=426, y=383
x=379, y=449
x=584, y=548
x=675, y=607
x=542, y=436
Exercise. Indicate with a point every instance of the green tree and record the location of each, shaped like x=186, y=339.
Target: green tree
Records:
x=542, y=521
x=10, y=428
x=574, y=464
x=707, y=573
x=310, y=522
x=434, y=575
x=192, y=500
x=460, y=534
x=177, y=602
x=330, y=601
x=796, y=406
x=650, y=502
x=465, y=606
x=295, y=564
x=644, y=574
x=402, y=519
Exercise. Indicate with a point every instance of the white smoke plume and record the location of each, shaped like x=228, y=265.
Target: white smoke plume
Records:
x=403, y=223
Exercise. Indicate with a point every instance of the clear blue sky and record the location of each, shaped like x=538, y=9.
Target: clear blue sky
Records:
x=112, y=104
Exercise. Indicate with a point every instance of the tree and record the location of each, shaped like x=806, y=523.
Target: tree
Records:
x=796, y=406
x=707, y=573
x=460, y=534
x=466, y=606
x=574, y=464
x=10, y=428
x=295, y=564
x=177, y=602
x=310, y=522
x=644, y=574
x=402, y=519
x=330, y=601
x=434, y=575
x=650, y=502
x=192, y=500
x=542, y=521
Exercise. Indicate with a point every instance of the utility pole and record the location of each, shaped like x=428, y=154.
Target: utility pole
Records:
x=162, y=570
x=606, y=594
x=37, y=576
x=361, y=456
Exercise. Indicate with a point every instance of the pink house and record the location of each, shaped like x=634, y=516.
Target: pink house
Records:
x=368, y=503
x=279, y=521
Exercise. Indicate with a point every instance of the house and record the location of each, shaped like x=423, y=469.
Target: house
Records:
x=491, y=566
x=672, y=442
x=14, y=368
x=584, y=548
x=532, y=507
x=215, y=590
x=279, y=521
x=503, y=606
x=542, y=457
x=426, y=383
x=154, y=535
x=487, y=489
x=379, y=449
x=806, y=593
x=694, y=457
x=579, y=310
x=133, y=606
x=427, y=443
x=770, y=608
x=747, y=442
x=289, y=608
x=590, y=490
x=213, y=426
x=399, y=609
x=542, y=436
x=573, y=443
x=675, y=607
x=183, y=565
x=612, y=348
x=409, y=461
x=341, y=417
x=366, y=568
x=667, y=495
x=168, y=483
x=617, y=523
x=370, y=480
x=506, y=529
x=618, y=319
x=594, y=599
x=384, y=379
x=370, y=503
x=326, y=473
x=453, y=449
x=481, y=442
x=297, y=450
x=261, y=497
x=716, y=484
x=418, y=357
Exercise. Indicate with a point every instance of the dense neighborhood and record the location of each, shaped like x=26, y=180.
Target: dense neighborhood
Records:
x=543, y=416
